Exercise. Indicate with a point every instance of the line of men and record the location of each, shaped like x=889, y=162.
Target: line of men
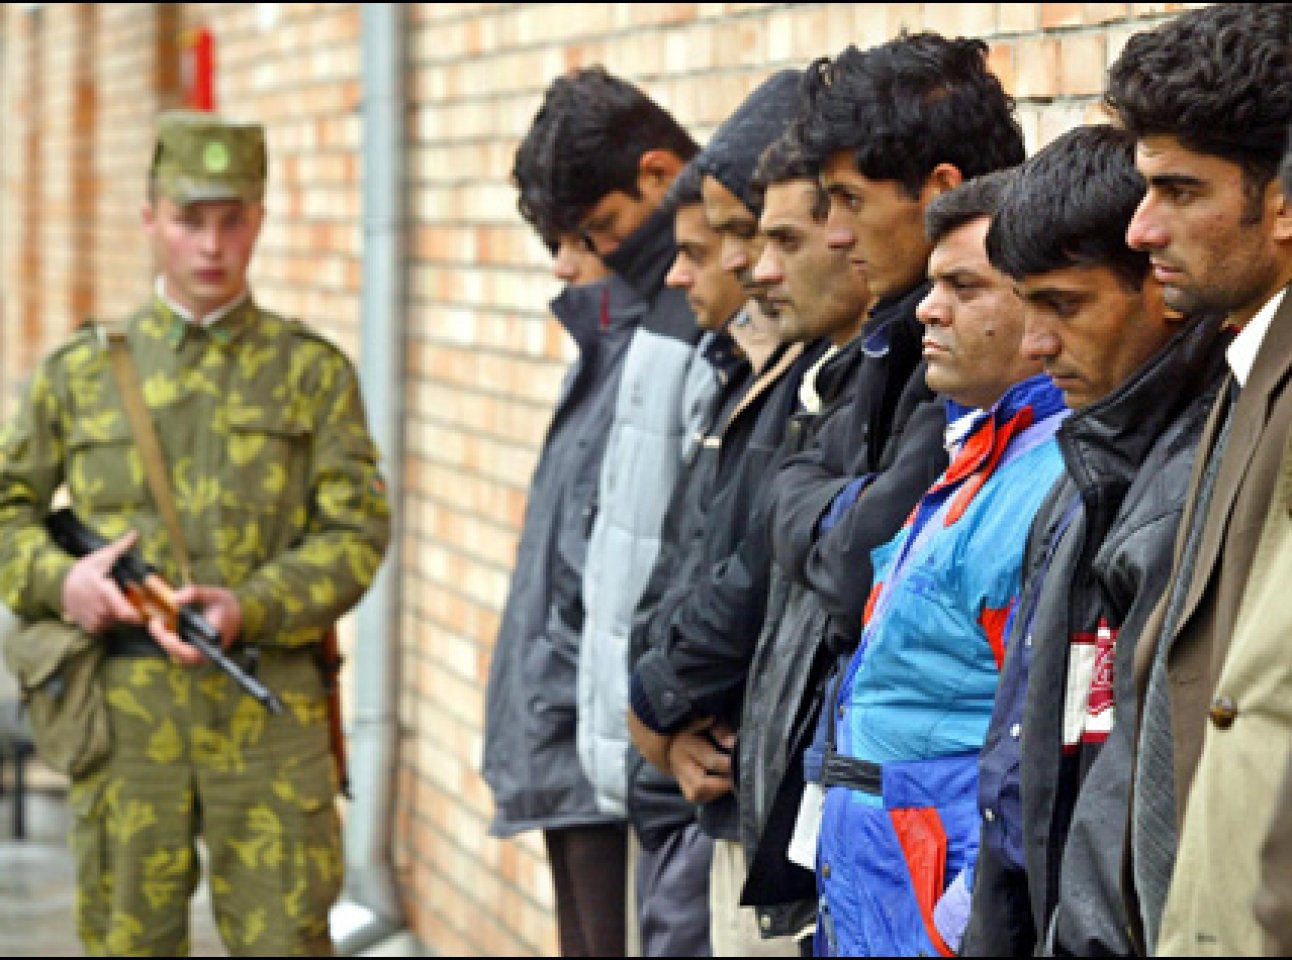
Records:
x=921, y=505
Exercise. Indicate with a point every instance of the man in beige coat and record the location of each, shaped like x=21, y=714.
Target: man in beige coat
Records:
x=1208, y=96
x=1266, y=609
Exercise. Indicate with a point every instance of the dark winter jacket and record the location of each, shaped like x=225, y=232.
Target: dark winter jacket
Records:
x=874, y=388
x=1128, y=459
x=864, y=441
x=532, y=760
x=702, y=632
x=656, y=806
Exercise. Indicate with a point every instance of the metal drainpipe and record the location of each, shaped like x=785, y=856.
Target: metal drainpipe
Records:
x=370, y=909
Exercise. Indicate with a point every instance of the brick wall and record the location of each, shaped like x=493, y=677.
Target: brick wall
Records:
x=483, y=358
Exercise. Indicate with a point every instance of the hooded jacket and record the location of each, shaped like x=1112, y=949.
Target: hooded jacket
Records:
x=530, y=761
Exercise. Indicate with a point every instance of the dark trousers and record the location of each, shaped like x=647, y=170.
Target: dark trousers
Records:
x=673, y=895
x=589, y=874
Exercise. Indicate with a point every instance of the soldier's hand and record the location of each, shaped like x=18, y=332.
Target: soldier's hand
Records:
x=220, y=608
x=91, y=598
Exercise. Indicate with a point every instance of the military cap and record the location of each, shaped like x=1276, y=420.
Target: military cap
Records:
x=202, y=156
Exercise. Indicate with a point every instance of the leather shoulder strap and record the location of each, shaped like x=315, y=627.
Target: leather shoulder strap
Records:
x=123, y=366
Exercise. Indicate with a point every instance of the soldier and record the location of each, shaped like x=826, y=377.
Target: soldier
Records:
x=283, y=511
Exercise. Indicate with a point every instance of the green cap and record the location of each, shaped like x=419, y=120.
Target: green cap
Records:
x=201, y=156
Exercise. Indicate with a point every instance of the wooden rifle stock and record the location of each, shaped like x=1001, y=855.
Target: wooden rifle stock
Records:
x=151, y=595
x=330, y=660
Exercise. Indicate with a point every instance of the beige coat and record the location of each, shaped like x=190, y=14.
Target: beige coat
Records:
x=1230, y=669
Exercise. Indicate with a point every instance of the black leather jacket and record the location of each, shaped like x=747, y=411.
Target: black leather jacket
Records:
x=1129, y=458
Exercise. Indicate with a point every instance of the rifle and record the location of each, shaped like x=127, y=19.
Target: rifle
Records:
x=153, y=596
x=330, y=660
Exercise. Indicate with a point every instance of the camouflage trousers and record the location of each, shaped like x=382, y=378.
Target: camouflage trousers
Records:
x=194, y=756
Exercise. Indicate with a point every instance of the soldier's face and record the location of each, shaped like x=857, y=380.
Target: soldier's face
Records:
x=203, y=249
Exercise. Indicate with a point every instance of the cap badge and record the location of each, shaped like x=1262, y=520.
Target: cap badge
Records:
x=215, y=157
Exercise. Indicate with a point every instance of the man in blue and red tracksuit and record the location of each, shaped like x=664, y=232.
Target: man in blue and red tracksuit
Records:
x=898, y=834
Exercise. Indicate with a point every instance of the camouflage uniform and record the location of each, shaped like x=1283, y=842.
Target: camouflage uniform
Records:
x=277, y=484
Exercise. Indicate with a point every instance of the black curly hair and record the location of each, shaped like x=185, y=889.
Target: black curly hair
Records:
x=908, y=105
x=530, y=181
x=979, y=196
x=1218, y=79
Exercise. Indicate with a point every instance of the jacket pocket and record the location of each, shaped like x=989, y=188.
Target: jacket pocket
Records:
x=267, y=457
x=551, y=672
x=923, y=841
x=104, y=471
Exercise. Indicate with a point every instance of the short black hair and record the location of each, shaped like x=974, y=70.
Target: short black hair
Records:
x=532, y=199
x=785, y=160
x=592, y=131
x=908, y=105
x=1218, y=79
x=1070, y=205
x=980, y=196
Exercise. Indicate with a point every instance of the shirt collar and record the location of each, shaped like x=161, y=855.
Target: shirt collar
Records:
x=809, y=395
x=1241, y=353
x=222, y=323
x=961, y=421
x=215, y=316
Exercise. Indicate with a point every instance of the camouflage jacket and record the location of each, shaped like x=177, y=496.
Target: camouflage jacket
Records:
x=263, y=431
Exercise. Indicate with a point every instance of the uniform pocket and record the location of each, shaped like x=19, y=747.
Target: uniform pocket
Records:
x=104, y=472
x=267, y=453
x=314, y=833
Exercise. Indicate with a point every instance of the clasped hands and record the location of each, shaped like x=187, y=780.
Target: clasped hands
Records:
x=698, y=756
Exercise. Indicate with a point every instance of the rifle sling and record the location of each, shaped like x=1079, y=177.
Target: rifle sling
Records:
x=123, y=365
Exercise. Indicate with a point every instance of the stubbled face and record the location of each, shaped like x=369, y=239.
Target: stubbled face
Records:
x=1090, y=329
x=809, y=287
x=203, y=249
x=973, y=322
x=877, y=224
x=713, y=293
x=576, y=263
x=737, y=226
x=1214, y=246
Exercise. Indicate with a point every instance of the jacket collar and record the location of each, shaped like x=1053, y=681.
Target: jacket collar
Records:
x=175, y=329
x=878, y=330
x=982, y=435
x=1031, y=403
x=1106, y=442
x=644, y=258
x=722, y=354
x=591, y=311
x=838, y=371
